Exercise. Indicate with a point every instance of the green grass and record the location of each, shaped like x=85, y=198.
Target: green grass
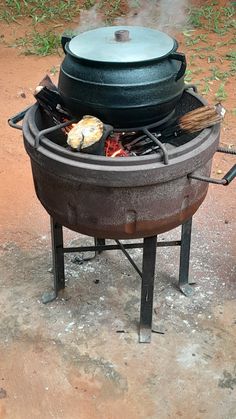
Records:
x=54, y=70
x=217, y=74
x=231, y=56
x=111, y=9
x=211, y=59
x=45, y=10
x=219, y=20
x=36, y=43
x=88, y=4
x=221, y=93
x=206, y=87
x=192, y=41
x=38, y=10
x=188, y=76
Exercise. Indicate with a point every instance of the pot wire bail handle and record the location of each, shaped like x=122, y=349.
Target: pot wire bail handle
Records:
x=13, y=120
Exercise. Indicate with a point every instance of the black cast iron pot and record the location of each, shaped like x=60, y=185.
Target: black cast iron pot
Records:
x=127, y=76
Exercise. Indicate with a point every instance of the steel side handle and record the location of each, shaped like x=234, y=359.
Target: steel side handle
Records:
x=13, y=120
x=225, y=181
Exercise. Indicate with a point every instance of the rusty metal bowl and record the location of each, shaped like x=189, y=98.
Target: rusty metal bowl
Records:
x=119, y=197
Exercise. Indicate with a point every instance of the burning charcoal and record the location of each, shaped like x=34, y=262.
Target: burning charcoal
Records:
x=113, y=147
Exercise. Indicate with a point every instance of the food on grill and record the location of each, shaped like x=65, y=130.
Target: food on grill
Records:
x=85, y=133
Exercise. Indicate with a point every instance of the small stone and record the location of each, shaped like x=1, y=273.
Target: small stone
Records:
x=22, y=94
x=77, y=260
x=3, y=393
x=48, y=297
x=219, y=172
x=96, y=281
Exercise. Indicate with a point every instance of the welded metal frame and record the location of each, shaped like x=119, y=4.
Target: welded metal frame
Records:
x=147, y=274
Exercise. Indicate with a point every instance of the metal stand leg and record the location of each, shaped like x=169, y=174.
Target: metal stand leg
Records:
x=58, y=262
x=184, y=284
x=99, y=242
x=148, y=274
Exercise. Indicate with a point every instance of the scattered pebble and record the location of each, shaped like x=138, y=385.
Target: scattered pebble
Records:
x=22, y=94
x=3, y=393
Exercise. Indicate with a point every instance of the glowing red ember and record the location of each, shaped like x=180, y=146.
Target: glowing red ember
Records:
x=113, y=147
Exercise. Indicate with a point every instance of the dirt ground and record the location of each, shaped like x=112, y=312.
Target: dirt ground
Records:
x=66, y=359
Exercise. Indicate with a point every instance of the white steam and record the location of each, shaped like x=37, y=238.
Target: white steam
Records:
x=165, y=15
x=90, y=19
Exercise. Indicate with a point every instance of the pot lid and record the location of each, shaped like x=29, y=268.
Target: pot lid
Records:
x=122, y=44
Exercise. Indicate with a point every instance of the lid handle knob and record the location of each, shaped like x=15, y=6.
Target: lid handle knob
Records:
x=122, y=35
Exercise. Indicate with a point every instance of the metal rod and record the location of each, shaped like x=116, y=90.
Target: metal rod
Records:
x=57, y=256
x=122, y=248
x=159, y=143
x=50, y=130
x=149, y=261
x=102, y=248
x=226, y=150
x=208, y=179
